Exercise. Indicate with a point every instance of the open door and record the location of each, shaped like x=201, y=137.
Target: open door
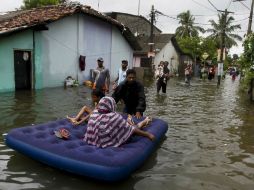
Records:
x=22, y=67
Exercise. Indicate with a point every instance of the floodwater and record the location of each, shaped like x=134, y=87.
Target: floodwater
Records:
x=209, y=145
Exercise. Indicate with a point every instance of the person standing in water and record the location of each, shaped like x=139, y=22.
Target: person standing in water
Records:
x=132, y=94
x=101, y=77
x=121, y=74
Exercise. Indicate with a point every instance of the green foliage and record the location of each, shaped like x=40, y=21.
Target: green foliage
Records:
x=28, y=4
x=209, y=46
x=197, y=46
x=245, y=83
x=190, y=45
x=247, y=60
x=224, y=24
x=187, y=26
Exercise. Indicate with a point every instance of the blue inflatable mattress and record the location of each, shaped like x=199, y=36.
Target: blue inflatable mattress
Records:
x=76, y=156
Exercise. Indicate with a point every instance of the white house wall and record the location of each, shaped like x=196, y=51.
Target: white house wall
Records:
x=95, y=38
x=59, y=52
x=66, y=40
x=120, y=50
x=166, y=54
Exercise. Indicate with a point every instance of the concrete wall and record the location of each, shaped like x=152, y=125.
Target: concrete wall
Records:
x=18, y=41
x=57, y=51
x=95, y=41
x=77, y=35
x=120, y=50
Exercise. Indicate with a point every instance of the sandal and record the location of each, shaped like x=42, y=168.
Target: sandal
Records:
x=62, y=133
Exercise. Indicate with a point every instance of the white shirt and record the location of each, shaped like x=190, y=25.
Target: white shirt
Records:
x=121, y=75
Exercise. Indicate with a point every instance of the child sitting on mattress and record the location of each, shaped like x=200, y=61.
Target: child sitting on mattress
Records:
x=106, y=127
x=85, y=111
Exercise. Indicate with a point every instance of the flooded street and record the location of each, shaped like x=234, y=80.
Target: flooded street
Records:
x=209, y=144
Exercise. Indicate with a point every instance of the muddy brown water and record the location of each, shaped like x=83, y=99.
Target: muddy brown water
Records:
x=209, y=144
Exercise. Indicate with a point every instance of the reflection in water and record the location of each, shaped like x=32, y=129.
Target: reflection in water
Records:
x=209, y=144
x=24, y=107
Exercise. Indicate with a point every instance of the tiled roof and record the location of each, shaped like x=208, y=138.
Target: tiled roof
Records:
x=160, y=40
x=19, y=20
x=136, y=23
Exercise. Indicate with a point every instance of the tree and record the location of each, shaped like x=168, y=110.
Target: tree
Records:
x=209, y=46
x=187, y=28
x=248, y=52
x=224, y=25
x=197, y=46
x=246, y=61
x=28, y=4
x=190, y=45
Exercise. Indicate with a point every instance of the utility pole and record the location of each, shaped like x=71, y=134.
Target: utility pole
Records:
x=222, y=46
x=250, y=18
x=138, y=6
x=98, y=4
x=151, y=43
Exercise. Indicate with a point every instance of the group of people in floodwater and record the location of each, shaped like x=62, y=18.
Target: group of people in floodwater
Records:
x=105, y=126
x=207, y=72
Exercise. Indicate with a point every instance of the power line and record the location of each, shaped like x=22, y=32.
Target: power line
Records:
x=195, y=23
x=212, y=5
x=240, y=19
x=244, y=5
x=178, y=18
x=241, y=13
x=229, y=3
x=203, y=5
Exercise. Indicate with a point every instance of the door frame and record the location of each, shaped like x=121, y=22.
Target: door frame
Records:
x=32, y=76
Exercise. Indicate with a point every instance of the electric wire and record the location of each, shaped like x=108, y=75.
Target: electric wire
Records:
x=230, y=1
x=244, y=5
x=203, y=5
x=212, y=5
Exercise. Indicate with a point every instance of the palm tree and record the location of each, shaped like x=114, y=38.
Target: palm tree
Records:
x=224, y=26
x=187, y=28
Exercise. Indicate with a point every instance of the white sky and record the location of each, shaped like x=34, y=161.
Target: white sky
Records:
x=201, y=9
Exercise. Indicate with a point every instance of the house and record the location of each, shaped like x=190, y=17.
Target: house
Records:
x=40, y=47
x=137, y=24
x=165, y=47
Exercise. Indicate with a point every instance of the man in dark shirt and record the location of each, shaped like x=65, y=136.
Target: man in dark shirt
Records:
x=132, y=94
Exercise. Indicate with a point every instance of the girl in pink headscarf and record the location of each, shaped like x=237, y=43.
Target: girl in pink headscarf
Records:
x=106, y=127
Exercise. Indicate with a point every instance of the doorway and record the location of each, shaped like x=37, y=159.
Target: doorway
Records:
x=22, y=68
